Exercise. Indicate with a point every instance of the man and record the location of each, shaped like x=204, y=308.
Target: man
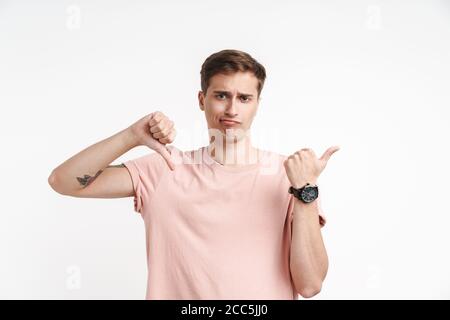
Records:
x=226, y=221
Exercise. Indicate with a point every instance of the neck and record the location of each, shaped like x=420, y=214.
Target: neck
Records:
x=230, y=151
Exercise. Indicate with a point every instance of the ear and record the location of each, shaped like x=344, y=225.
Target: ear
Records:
x=201, y=100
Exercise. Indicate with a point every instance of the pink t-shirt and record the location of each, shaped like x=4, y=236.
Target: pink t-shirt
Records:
x=214, y=231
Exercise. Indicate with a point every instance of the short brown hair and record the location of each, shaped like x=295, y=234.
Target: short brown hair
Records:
x=230, y=61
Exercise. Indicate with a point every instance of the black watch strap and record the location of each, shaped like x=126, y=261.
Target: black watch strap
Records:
x=294, y=191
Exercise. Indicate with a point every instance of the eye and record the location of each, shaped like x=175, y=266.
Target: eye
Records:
x=247, y=99
x=220, y=95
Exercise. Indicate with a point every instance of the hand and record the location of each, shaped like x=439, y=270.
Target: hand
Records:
x=155, y=131
x=303, y=166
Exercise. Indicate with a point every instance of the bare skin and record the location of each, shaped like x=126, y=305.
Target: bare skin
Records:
x=309, y=259
x=89, y=173
x=231, y=97
x=87, y=179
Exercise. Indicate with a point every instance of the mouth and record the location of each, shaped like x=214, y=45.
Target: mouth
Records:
x=229, y=123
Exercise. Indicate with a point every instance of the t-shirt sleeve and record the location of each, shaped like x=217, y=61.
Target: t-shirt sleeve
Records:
x=322, y=219
x=146, y=173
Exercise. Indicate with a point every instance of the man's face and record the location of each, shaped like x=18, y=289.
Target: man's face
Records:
x=230, y=97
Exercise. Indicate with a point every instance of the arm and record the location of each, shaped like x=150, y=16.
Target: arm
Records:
x=88, y=174
x=308, y=257
x=74, y=175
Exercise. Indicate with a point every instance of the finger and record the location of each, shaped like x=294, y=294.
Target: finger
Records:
x=157, y=118
x=327, y=154
x=286, y=163
x=150, y=116
x=158, y=135
x=158, y=127
x=163, y=133
x=311, y=152
x=161, y=126
x=164, y=152
x=306, y=152
x=168, y=139
x=174, y=132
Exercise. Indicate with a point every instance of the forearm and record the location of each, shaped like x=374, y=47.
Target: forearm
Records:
x=308, y=257
x=81, y=169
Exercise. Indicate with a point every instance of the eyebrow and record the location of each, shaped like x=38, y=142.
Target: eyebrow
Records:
x=228, y=93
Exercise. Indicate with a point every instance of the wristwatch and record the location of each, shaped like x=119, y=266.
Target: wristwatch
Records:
x=308, y=193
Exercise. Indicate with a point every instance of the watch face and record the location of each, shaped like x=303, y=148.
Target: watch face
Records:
x=310, y=194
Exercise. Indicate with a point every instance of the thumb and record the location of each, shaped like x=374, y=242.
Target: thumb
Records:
x=327, y=154
x=165, y=153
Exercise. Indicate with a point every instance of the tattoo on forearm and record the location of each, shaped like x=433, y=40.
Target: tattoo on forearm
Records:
x=117, y=166
x=87, y=179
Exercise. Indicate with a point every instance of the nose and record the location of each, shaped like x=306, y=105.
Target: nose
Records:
x=230, y=110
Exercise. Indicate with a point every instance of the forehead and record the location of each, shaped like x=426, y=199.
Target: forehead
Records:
x=245, y=82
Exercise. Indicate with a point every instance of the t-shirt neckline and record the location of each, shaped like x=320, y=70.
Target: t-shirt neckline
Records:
x=208, y=160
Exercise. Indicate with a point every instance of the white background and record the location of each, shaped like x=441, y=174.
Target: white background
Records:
x=370, y=76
